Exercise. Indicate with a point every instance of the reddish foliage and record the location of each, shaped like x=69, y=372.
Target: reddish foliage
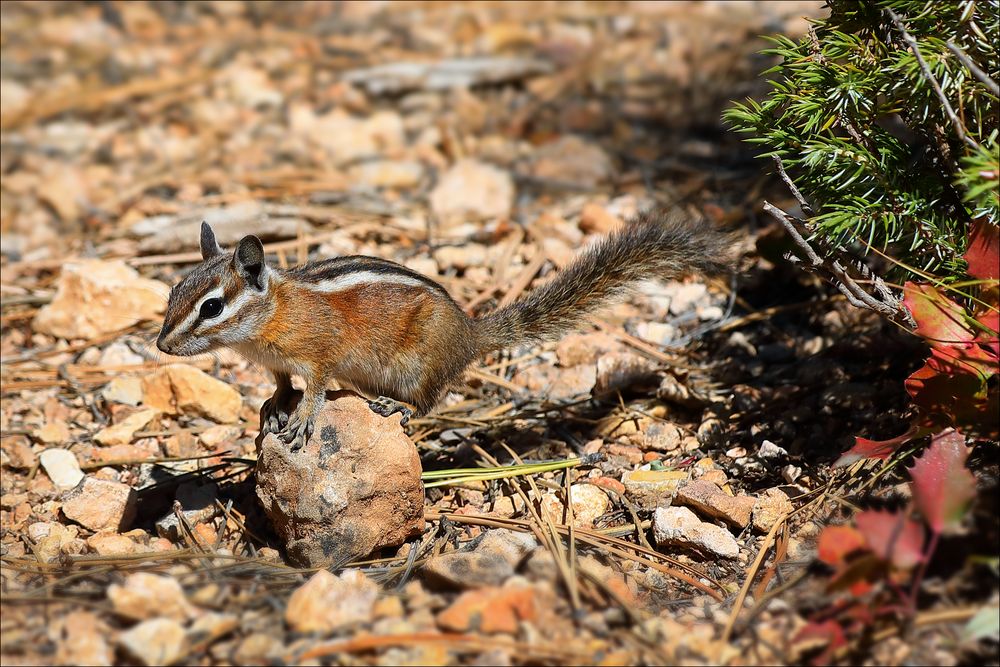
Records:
x=991, y=340
x=984, y=250
x=939, y=320
x=962, y=359
x=837, y=542
x=845, y=549
x=953, y=382
x=875, y=558
x=828, y=634
x=877, y=449
x=942, y=486
x=893, y=537
x=856, y=575
x=882, y=542
x=952, y=389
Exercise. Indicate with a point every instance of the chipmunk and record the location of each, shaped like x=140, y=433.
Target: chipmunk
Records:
x=391, y=333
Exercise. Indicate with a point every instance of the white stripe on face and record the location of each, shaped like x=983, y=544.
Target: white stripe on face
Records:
x=192, y=317
x=350, y=280
x=191, y=323
x=231, y=308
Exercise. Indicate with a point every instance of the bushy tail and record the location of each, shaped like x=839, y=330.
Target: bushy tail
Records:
x=652, y=245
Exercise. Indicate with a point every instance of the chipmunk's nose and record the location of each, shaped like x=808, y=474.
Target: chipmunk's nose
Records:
x=162, y=345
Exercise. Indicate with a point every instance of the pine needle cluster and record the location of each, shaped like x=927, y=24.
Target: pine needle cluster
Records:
x=893, y=151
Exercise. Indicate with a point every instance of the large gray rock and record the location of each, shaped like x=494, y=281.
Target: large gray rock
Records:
x=353, y=488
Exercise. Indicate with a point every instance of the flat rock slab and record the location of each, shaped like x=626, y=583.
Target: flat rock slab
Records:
x=487, y=561
x=678, y=526
x=353, y=488
x=100, y=504
x=709, y=500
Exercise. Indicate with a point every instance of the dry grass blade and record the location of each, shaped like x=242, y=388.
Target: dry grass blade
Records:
x=779, y=555
x=102, y=570
x=540, y=525
x=495, y=379
x=569, y=522
x=551, y=533
x=751, y=574
x=642, y=345
x=766, y=313
x=601, y=541
x=189, y=257
x=92, y=100
x=435, y=478
x=524, y=278
x=112, y=463
x=51, y=351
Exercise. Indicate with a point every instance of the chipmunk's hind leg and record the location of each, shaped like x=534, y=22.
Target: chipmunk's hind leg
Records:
x=385, y=406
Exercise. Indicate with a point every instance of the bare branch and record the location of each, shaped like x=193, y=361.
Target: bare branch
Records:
x=912, y=43
x=890, y=306
x=806, y=208
x=786, y=222
x=972, y=67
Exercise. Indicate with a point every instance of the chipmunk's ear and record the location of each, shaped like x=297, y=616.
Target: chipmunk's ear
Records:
x=209, y=246
x=249, y=262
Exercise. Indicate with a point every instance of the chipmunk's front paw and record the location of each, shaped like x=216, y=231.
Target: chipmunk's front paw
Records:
x=274, y=418
x=386, y=407
x=297, y=432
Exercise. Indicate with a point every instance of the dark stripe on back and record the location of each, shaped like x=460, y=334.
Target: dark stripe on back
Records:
x=330, y=269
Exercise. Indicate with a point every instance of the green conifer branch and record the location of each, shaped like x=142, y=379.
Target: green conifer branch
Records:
x=883, y=122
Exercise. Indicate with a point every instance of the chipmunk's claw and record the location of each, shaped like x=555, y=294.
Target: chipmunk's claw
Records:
x=274, y=418
x=297, y=432
x=385, y=406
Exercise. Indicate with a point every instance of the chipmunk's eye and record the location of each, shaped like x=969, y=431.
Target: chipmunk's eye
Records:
x=210, y=308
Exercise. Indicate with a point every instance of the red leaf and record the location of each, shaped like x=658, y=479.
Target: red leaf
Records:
x=876, y=449
x=857, y=575
x=860, y=588
x=827, y=634
x=955, y=359
x=951, y=389
x=991, y=320
x=939, y=319
x=837, y=542
x=859, y=614
x=983, y=254
x=943, y=487
x=893, y=537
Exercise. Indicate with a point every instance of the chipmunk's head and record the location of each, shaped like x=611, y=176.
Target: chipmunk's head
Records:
x=222, y=302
